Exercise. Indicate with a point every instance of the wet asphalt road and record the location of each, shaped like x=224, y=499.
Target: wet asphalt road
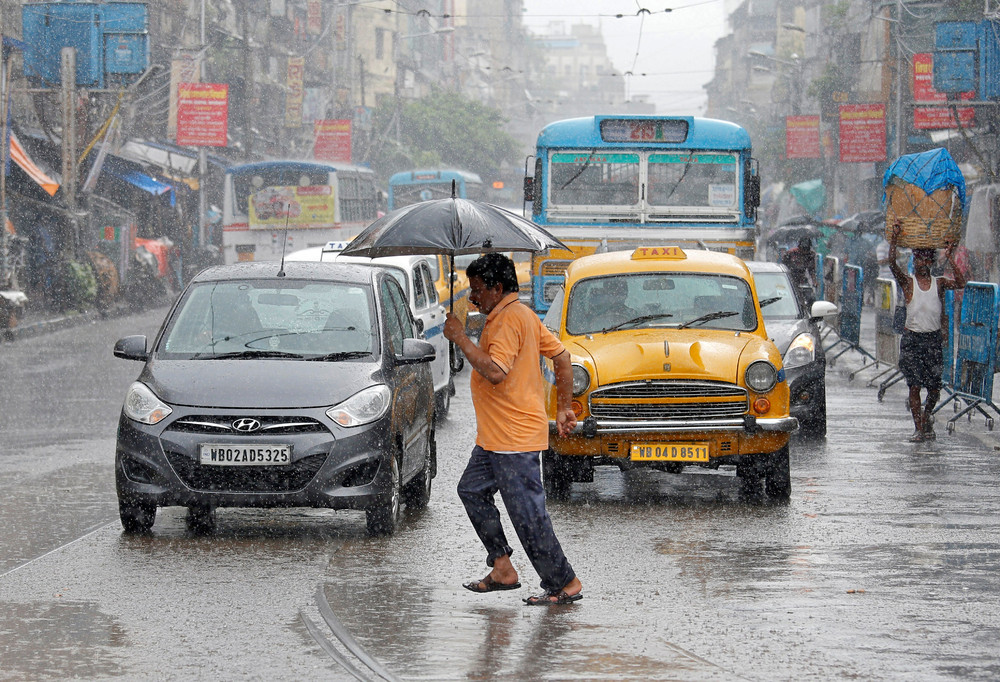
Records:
x=883, y=566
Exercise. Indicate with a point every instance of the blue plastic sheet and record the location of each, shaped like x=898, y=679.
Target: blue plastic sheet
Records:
x=930, y=171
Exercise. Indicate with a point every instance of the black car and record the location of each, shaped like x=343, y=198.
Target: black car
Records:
x=793, y=325
x=301, y=386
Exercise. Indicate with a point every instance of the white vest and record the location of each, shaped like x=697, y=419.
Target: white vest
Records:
x=923, y=312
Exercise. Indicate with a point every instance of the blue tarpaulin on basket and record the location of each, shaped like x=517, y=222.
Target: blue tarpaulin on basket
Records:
x=930, y=171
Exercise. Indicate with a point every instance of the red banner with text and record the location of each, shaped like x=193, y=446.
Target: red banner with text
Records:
x=937, y=117
x=862, y=133
x=202, y=114
x=332, y=140
x=802, y=137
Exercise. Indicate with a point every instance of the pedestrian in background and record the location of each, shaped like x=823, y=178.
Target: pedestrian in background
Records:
x=512, y=429
x=921, y=348
x=801, y=264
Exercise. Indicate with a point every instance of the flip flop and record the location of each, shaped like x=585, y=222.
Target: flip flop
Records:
x=491, y=585
x=546, y=599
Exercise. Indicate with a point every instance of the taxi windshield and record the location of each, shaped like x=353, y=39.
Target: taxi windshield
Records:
x=658, y=299
x=253, y=319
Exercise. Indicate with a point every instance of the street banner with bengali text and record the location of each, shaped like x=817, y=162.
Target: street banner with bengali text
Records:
x=332, y=140
x=936, y=117
x=862, y=133
x=802, y=137
x=202, y=114
x=294, y=92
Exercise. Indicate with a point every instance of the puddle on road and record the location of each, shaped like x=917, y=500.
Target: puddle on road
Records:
x=59, y=640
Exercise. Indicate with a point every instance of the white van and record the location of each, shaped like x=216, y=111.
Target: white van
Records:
x=413, y=274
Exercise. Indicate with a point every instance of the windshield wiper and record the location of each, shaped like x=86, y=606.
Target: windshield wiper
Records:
x=636, y=320
x=341, y=355
x=582, y=168
x=252, y=353
x=769, y=301
x=708, y=317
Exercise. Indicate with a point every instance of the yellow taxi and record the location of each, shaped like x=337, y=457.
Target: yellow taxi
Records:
x=672, y=367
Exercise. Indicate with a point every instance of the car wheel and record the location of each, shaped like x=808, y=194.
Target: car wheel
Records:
x=442, y=403
x=383, y=516
x=200, y=518
x=137, y=515
x=777, y=476
x=417, y=493
x=815, y=425
x=556, y=478
x=750, y=474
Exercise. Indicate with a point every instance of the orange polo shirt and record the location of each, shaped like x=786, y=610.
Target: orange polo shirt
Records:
x=510, y=416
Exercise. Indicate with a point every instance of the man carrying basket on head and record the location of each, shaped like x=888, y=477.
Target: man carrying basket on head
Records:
x=921, y=354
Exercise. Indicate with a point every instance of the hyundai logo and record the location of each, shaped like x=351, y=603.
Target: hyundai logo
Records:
x=246, y=425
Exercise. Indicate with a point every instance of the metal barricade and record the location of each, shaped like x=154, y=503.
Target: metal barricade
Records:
x=887, y=297
x=975, y=354
x=851, y=302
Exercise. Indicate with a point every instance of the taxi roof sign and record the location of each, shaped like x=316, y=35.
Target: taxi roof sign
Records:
x=659, y=253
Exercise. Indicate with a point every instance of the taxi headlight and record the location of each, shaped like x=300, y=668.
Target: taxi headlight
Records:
x=142, y=405
x=761, y=376
x=581, y=379
x=801, y=351
x=362, y=407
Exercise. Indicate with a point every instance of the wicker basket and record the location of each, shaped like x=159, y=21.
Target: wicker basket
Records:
x=929, y=221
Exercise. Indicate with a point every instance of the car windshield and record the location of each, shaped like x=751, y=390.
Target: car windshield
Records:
x=777, y=296
x=267, y=319
x=660, y=299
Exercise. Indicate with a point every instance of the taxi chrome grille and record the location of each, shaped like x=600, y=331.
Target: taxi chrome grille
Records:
x=245, y=479
x=665, y=400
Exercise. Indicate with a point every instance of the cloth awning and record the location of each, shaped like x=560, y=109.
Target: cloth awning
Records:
x=19, y=156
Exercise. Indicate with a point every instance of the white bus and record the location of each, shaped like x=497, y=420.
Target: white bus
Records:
x=303, y=203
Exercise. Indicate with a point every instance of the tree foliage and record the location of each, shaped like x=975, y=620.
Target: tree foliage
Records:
x=442, y=129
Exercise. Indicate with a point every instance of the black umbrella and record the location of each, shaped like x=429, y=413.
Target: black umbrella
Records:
x=451, y=226
x=793, y=233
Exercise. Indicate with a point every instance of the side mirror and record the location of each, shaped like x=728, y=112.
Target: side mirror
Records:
x=131, y=348
x=752, y=192
x=529, y=188
x=416, y=351
x=420, y=325
x=821, y=309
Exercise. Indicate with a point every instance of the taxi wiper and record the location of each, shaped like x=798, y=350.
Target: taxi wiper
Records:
x=252, y=353
x=341, y=355
x=769, y=301
x=636, y=320
x=708, y=317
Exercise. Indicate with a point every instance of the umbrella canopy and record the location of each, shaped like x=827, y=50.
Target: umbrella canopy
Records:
x=866, y=222
x=450, y=226
x=793, y=233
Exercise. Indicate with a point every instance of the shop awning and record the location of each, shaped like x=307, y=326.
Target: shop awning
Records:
x=126, y=171
x=19, y=156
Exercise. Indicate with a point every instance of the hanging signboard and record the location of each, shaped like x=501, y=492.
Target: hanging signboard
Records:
x=802, y=137
x=294, y=92
x=862, y=133
x=332, y=140
x=202, y=114
x=936, y=117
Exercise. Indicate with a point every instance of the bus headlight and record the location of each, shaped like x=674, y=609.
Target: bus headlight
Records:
x=761, y=376
x=581, y=379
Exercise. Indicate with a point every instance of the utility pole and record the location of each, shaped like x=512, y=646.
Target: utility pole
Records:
x=247, y=82
x=202, y=154
x=68, y=77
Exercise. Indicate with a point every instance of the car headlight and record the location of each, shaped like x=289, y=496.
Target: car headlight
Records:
x=581, y=379
x=361, y=408
x=142, y=405
x=761, y=376
x=801, y=351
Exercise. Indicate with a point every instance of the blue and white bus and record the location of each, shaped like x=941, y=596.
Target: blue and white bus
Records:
x=411, y=187
x=617, y=182
x=295, y=204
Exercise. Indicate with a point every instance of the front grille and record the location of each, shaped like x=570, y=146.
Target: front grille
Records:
x=245, y=479
x=553, y=267
x=666, y=400
x=220, y=424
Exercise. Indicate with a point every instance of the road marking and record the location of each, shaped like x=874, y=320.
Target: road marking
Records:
x=87, y=533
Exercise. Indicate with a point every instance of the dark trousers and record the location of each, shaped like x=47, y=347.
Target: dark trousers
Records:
x=518, y=478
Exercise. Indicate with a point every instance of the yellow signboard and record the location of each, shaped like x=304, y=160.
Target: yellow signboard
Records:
x=298, y=207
